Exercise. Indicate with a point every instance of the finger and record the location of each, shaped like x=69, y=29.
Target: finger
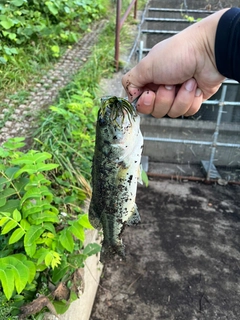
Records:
x=135, y=80
x=184, y=99
x=133, y=92
x=163, y=101
x=197, y=102
x=146, y=102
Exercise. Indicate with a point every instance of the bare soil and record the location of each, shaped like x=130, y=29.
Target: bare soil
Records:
x=183, y=260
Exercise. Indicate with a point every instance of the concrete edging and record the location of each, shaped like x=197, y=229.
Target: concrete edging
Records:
x=81, y=308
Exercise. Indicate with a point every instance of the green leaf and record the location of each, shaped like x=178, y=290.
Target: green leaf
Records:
x=50, y=227
x=3, y=202
x=77, y=231
x=16, y=235
x=144, y=177
x=60, y=306
x=17, y=3
x=11, y=224
x=14, y=143
x=77, y=260
x=40, y=255
x=10, y=172
x=83, y=221
x=25, y=224
x=38, y=180
x=92, y=248
x=36, y=168
x=60, y=272
x=31, y=270
x=73, y=296
x=3, y=183
x=7, y=279
x=3, y=153
x=38, y=193
x=6, y=22
x=17, y=215
x=31, y=236
x=20, y=184
x=66, y=240
x=20, y=274
x=4, y=220
x=10, y=51
x=52, y=258
x=8, y=193
x=15, y=272
x=52, y=8
x=32, y=157
x=11, y=205
x=43, y=216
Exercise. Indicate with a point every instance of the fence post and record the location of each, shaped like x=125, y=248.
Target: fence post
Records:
x=119, y=24
x=117, y=32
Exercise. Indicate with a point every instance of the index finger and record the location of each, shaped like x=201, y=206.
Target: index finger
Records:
x=131, y=89
x=137, y=80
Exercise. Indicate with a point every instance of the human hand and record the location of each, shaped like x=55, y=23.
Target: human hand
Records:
x=178, y=74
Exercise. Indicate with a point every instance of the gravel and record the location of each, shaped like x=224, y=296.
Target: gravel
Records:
x=47, y=89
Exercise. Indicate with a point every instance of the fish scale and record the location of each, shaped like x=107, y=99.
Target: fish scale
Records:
x=115, y=173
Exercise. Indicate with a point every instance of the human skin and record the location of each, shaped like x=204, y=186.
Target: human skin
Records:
x=179, y=73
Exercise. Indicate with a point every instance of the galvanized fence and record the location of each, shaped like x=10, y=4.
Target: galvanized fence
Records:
x=208, y=165
x=216, y=152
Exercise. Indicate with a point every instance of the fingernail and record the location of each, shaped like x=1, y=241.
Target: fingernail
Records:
x=189, y=85
x=147, y=101
x=169, y=87
x=198, y=92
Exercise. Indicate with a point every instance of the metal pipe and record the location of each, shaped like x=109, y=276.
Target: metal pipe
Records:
x=119, y=24
x=229, y=103
x=160, y=31
x=185, y=5
x=134, y=48
x=168, y=20
x=206, y=143
x=140, y=50
x=216, y=132
x=135, y=9
x=181, y=10
x=117, y=32
x=127, y=13
x=189, y=178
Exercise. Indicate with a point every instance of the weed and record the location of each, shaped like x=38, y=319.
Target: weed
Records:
x=42, y=223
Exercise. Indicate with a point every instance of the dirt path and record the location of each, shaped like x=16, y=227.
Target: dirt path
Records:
x=183, y=259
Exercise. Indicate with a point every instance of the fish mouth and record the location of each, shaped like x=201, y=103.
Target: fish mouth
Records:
x=114, y=108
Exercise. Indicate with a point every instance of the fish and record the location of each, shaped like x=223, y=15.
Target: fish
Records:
x=116, y=170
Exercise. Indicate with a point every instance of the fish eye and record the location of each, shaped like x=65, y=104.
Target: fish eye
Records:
x=102, y=122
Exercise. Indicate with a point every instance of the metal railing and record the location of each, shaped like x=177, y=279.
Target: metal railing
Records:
x=208, y=165
x=212, y=142
x=119, y=23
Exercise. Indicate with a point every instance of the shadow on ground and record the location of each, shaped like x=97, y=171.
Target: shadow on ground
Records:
x=183, y=259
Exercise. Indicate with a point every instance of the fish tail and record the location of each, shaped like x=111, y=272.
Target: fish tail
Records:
x=108, y=251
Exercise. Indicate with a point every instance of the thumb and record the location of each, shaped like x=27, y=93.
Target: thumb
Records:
x=137, y=80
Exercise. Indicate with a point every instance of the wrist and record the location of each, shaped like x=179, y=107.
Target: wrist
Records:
x=209, y=26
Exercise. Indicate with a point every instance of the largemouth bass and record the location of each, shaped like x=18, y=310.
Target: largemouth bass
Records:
x=115, y=173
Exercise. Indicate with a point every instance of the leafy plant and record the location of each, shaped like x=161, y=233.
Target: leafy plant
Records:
x=37, y=239
x=27, y=20
x=68, y=132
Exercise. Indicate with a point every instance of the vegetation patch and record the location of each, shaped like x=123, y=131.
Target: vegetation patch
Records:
x=42, y=228
x=44, y=186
